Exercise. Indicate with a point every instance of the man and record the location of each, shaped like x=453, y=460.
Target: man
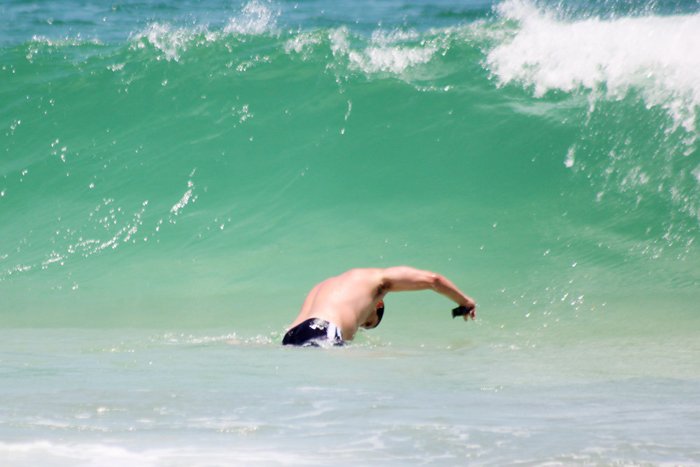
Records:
x=337, y=307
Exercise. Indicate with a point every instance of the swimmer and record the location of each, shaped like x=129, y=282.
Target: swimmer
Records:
x=336, y=308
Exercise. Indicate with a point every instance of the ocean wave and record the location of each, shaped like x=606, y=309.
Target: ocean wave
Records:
x=255, y=18
x=332, y=107
x=653, y=54
x=390, y=52
x=640, y=79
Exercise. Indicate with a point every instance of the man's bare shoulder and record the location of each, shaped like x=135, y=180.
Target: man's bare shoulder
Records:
x=382, y=275
x=373, y=276
x=361, y=272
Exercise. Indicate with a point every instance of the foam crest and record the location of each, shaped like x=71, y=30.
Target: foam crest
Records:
x=255, y=18
x=170, y=40
x=385, y=53
x=656, y=55
x=303, y=43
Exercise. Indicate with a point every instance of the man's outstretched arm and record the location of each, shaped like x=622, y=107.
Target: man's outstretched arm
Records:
x=404, y=278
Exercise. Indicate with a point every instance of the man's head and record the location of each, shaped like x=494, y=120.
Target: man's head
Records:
x=375, y=318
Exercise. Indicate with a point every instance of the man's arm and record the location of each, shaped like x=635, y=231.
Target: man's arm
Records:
x=404, y=278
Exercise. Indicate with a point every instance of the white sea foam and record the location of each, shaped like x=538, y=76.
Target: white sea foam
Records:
x=107, y=455
x=255, y=18
x=383, y=54
x=172, y=42
x=303, y=43
x=184, y=200
x=658, y=56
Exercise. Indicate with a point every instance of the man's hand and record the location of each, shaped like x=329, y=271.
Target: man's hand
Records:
x=471, y=306
x=465, y=310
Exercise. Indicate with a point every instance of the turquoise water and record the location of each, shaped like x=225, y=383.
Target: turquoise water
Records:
x=175, y=177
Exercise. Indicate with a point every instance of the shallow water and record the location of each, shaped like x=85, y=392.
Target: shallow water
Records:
x=115, y=397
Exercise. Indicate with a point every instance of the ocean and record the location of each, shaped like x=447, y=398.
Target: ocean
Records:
x=175, y=176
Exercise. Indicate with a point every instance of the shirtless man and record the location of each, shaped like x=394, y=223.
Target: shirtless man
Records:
x=337, y=307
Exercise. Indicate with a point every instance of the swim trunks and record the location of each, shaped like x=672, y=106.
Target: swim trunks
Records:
x=314, y=332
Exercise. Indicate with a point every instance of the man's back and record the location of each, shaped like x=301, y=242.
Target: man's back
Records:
x=345, y=300
x=355, y=298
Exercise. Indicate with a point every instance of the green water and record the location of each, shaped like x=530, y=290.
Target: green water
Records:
x=172, y=184
x=296, y=167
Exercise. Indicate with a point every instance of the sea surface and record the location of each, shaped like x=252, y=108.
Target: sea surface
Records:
x=175, y=176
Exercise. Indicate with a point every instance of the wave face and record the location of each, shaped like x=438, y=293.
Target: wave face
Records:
x=175, y=176
x=170, y=165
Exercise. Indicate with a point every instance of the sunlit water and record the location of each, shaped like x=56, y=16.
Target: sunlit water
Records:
x=175, y=177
